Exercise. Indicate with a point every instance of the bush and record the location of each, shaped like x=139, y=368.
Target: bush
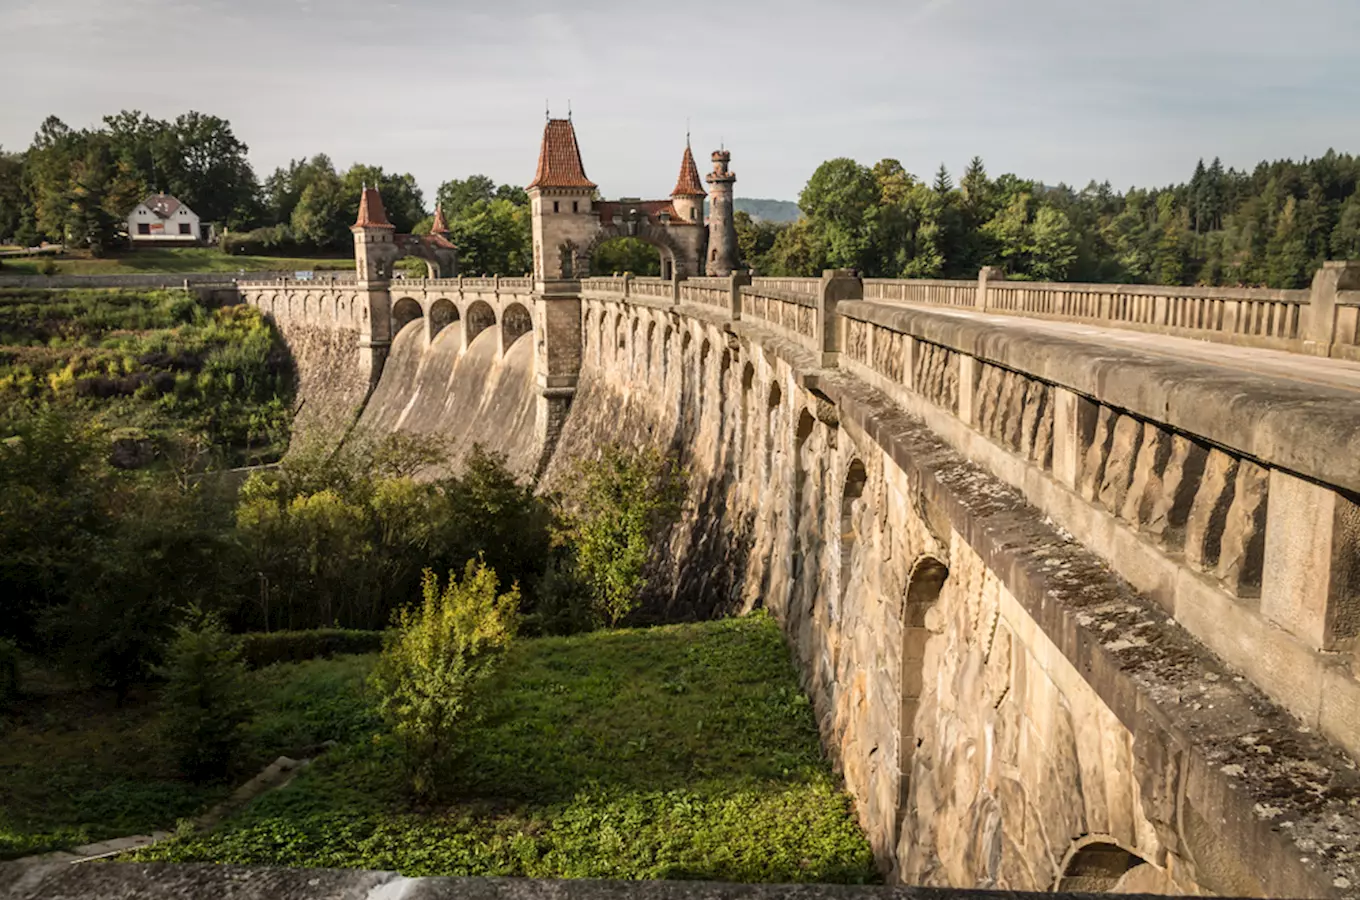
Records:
x=205, y=698
x=432, y=664
x=48, y=267
x=259, y=650
x=272, y=239
x=619, y=504
x=9, y=672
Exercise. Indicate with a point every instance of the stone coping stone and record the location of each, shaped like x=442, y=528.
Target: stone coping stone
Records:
x=200, y=881
x=1310, y=429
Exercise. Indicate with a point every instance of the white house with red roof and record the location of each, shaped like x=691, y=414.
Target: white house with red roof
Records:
x=163, y=219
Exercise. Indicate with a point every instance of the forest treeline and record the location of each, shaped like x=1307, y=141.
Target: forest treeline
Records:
x=1271, y=226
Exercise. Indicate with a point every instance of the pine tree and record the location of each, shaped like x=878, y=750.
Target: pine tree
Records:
x=943, y=183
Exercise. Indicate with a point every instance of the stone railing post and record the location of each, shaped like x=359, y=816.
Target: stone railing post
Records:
x=986, y=274
x=460, y=285
x=627, y=284
x=1312, y=542
x=836, y=285
x=496, y=283
x=675, y=288
x=736, y=281
x=1319, y=332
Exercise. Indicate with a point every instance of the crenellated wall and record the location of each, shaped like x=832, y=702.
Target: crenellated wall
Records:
x=1072, y=613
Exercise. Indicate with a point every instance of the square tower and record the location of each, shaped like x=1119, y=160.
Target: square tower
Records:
x=562, y=204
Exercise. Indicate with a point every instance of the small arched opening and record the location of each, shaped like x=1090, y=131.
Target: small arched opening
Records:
x=480, y=317
x=442, y=314
x=923, y=590
x=773, y=421
x=1097, y=867
x=515, y=323
x=801, y=435
x=855, y=480
x=705, y=349
x=634, y=347
x=404, y=312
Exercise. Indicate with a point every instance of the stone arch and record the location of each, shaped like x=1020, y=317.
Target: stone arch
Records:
x=604, y=337
x=852, y=489
x=567, y=259
x=1100, y=864
x=442, y=314
x=333, y=307
x=480, y=317
x=666, y=353
x=801, y=435
x=671, y=257
x=704, y=350
x=773, y=406
x=924, y=584
x=515, y=323
x=404, y=312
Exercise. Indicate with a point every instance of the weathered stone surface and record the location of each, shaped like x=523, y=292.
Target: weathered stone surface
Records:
x=1209, y=511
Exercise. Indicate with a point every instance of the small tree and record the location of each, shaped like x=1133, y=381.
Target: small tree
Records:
x=205, y=698
x=433, y=662
x=620, y=503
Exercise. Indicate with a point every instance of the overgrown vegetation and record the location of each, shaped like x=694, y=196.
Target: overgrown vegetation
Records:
x=436, y=657
x=156, y=363
x=205, y=699
x=145, y=260
x=619, y=502
x=672, y=752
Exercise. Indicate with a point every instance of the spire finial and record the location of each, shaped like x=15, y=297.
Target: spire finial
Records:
x=686, y=131
x=568, y=109
x=547, y=110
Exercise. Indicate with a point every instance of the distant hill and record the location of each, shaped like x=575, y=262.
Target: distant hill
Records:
x=768, y=210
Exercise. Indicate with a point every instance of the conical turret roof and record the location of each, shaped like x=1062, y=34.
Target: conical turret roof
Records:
x=371, y=212
x=439, y=226
x=688, y=184
x=559, y=159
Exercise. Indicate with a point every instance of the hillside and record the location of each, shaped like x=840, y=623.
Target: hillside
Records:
x=769, y=210
x=166, y=259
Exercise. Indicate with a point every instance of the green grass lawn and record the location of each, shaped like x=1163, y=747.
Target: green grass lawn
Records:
x=74, y=768
x=170, y=259
x=683, y=751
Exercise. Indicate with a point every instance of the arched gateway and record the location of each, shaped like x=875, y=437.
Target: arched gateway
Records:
x=570, y=221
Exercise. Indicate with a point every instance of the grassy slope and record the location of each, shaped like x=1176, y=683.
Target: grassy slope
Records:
x=171, y=259
x=74, y=768
x=675, y=752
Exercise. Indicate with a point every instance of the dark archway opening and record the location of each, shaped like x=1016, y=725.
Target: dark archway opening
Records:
x=404, y=312
x=480, y=317
x=515, y=323
x=442, y=314
x=1097, y=868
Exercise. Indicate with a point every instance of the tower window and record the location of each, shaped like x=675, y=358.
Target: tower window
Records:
x=555, y=206
x=575, y=207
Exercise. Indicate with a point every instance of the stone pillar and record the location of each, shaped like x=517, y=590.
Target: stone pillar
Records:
x=557, y=361
x=375, y=342
x=1311, y=577
x=1073, y=417
x=627, y=284
x=675, y=289
x=722, y=228
x=736, y=281
x=968, y=379
x=1319, y=325
x=986, y=274
x=836, y=285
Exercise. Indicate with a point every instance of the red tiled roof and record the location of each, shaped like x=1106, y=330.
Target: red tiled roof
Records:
x=652, y=209
x=439, y=226
x=559, y=159
x=371, y=212
x=688, y=184
x=438, y=240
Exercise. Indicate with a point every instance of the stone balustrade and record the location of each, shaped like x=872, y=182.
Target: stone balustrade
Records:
x=787, y=285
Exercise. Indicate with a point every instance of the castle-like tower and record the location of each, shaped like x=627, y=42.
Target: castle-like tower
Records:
x=722, y=230
x=374, y=239
x=561, y=199
x=689, y=193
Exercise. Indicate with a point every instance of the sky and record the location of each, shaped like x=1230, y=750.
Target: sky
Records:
x=1133, y=91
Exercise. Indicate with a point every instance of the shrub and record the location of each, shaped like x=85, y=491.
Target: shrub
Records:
x=9, y=672
x=205, y=699
x=259, y=650
x=433, y=662
x=619, y=504
x=48, y=267
x=271, y=239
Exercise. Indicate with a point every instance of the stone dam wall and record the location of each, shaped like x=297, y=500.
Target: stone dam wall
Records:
x=1036, y=603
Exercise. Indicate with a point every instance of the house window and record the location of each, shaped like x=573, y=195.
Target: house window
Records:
x=184, y=228
x=554, y=206
x=574, y=207
x=143, y=227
